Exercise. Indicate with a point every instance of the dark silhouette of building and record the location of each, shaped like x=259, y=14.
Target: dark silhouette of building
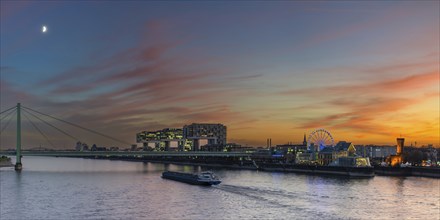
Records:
x=305, y=140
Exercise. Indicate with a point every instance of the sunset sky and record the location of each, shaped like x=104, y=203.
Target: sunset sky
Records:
x=367, y=72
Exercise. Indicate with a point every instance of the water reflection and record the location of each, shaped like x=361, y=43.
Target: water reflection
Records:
x=76, y=188
x=277, y=179
x=399, y=183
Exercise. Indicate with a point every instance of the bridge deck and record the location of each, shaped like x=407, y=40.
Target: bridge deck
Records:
x=131, y=153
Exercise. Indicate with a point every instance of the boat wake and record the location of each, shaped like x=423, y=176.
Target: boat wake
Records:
x=278, y=199
x=265, y=195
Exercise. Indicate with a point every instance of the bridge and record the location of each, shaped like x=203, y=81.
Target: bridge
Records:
x=7, y=114
x=130, y=153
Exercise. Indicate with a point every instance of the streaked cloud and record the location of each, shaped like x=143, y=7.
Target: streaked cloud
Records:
x=366, y=71
x=412, y=82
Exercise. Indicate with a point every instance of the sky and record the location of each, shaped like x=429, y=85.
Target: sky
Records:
x=368, y=72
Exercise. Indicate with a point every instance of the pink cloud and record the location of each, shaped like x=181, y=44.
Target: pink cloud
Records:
x=10, y=95
x=389, y=15
x=361, y=108
x=363, y=116
x=413, y=82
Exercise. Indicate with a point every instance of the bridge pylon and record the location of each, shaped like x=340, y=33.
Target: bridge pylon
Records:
x=18, y=165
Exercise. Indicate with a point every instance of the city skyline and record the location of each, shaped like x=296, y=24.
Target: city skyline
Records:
x=366, y=71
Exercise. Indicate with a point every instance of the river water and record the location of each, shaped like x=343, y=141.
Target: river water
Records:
x=75, y=188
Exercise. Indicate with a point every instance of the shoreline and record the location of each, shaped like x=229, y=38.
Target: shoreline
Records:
x=306, y=170
x=292, y=168
x=351, y=172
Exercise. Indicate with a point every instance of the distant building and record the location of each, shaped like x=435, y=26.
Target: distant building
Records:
x=302, y=153
x=114, y=148
x=330, y=154
x=303, y=157
x=85, y=147
x=400, y=145
x=134, y=147
x=375, y=151
x=214, y=134
x=96, y=148
x=78, y=146
x=231, y=147
x=164, y=134
x=163, y=140
x=81, y=146
x=305, y=140
x=396, y=160
x=291, y=148
x=234, y=147
x=345, y=147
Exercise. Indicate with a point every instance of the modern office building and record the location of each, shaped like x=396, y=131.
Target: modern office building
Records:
x=195, y=137
x=167, y=133
x=165, y=139
x=214, y=134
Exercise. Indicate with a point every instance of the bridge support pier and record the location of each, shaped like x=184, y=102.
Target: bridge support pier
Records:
x=18, y=165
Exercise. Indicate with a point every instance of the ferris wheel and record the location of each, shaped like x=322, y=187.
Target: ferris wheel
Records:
x=322, y=138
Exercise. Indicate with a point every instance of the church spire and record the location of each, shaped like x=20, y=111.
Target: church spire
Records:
x=305, y=141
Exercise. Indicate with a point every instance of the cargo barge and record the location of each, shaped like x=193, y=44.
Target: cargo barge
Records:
x=206, y=178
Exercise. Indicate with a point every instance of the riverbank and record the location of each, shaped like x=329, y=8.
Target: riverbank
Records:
x=430, y=172
x=408, y=171
x=276, y=166
x=352, y=172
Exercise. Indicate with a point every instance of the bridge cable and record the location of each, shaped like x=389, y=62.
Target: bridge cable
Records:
x=58, y=129
x=8, y=109
x=41, y=132
x=7, y=114
x=9, y=121
x=78, y=126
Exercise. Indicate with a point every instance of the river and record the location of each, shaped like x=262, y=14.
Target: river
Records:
x=75, y=188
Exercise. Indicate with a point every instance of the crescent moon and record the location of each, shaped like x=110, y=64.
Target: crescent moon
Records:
x=44, y=29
